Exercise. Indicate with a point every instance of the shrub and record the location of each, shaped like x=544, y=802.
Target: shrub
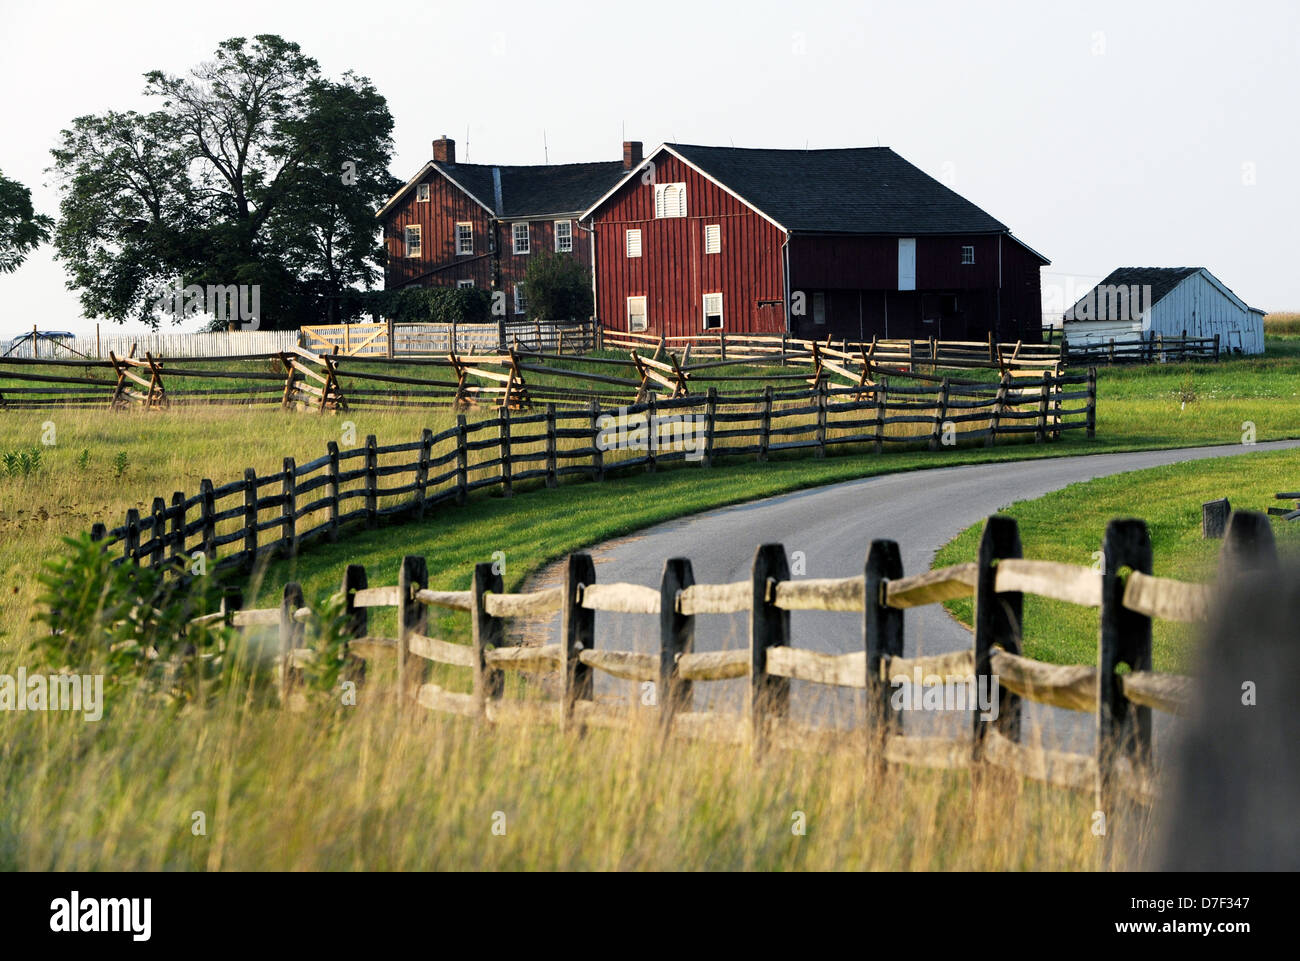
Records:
x=22, y=462
x=557, y=287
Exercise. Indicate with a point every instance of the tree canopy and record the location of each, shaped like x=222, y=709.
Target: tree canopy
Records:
x=22, y=229
x=254, y=169
x=557, y=287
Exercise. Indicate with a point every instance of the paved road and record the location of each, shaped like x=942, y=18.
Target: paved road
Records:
x=832, y=526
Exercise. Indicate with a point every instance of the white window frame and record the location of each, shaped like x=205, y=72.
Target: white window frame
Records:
x=645, y=313
x=819, y=308
x=527, y=235
x=967, y=249
x=568, y=224
x=460, y=248
x=704, y=311
x=633, y=233
x=713, y=238
x=463, y=284
x=521, y=303
x=419, y=240
x=670, y=200
x=422, y=193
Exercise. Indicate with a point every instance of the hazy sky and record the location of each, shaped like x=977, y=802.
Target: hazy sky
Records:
x=1103, y=133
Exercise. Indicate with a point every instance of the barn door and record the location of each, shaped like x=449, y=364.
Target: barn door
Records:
x=907, y=263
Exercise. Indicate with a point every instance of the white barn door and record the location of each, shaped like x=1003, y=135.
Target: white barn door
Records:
x=907, y=263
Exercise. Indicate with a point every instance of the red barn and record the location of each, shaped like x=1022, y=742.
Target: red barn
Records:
x=477, y=224
x=851, y=243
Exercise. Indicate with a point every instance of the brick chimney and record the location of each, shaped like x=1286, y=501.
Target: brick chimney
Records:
x=631, y=153
x=444, y=150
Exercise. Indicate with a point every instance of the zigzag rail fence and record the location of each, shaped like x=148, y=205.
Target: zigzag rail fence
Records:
x=303, y=379
x=227, y=524
x=1121, y=690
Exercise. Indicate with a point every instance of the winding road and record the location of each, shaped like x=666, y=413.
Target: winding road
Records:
x=922, y=510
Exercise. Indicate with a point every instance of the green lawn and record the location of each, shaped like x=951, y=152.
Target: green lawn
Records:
x=1068, y=525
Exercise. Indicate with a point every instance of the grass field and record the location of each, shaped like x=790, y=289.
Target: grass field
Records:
x=367, y=788
x=1068, y=525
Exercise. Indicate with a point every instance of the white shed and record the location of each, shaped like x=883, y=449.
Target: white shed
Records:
x=1141, y=302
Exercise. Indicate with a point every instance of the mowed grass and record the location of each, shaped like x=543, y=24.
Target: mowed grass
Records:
x=1068, y=526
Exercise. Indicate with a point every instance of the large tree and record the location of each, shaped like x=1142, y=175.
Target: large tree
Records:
x=253, y=170
x=22, y=229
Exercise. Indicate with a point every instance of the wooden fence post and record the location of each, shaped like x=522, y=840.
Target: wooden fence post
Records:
x=597, y=452
x=131, y=538
x=507, y=483
x=462, y=459
x=372, y=482
x=422, y=472
x=291, y=635
x=940, y=415
x=356, y=620
x=207, y=512
x=577, y=634
x=412, y=618
x=178, y=530
x=999, y=408
x=1091, y=430
x=552, y=478
x=722, y=346
x=710, y=424
x=1040, y=434
x=769, y=626
x=288, y=508
x=1248, y=545
x=651, y=433
x=232, y=599
x=882, y=402
x=486, y=631
x=250, y=518
x=882, y=634
x=1123, y=728
x=998, y=620
x=821, y=390
x=158, y=514
x=676, y=637
x=1216, y=346
x=765, y=422
x=332, y=450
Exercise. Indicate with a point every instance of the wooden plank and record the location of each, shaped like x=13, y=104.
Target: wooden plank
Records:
x=456, y=600
x=443, y=652
x=932, y=587
x=842, y=670
x=256, y=617
x=1166, y=692
x=952, y=664
x=537, y=604
x=713, y=665
x=1069, y=686
x=1060, y=768
x=1063, y=582
x=540, y=660
x=820, y=594
x=621, y=598
x=436, y=699
x=714, y=598
x=377, y=597
x=1167, y=599
x=629, y=665
x=936, y=752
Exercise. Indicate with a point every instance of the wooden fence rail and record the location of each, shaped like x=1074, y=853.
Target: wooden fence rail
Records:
x=1152, y=349
x=1121, y=690
x=237, y=523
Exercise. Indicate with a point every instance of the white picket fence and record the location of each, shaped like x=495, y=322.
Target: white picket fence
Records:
x=237, y=343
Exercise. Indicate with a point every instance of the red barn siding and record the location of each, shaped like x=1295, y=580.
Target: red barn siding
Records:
x=438, y=263
x=541, y=237
x=674, y=273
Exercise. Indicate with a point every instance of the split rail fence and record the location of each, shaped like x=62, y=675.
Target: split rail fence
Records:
x=1154, y=349
x=1121, y=690
x=239, y=522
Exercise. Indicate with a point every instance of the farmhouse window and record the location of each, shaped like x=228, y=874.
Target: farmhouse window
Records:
x=462, y=284
x=521, y=303
x=521, y=238
x=422, y=193
x=413, y=240
x=464, y=238
x=819, y=308
x=968, y=255
x=634, y=243
x=713, y=311
x=564, y=236
x=670, y=200
x=636, y=319
x=713, y=239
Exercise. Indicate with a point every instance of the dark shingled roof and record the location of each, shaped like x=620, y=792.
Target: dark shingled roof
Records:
x=860, y=190
x=538, y=190
x=1161, y=279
